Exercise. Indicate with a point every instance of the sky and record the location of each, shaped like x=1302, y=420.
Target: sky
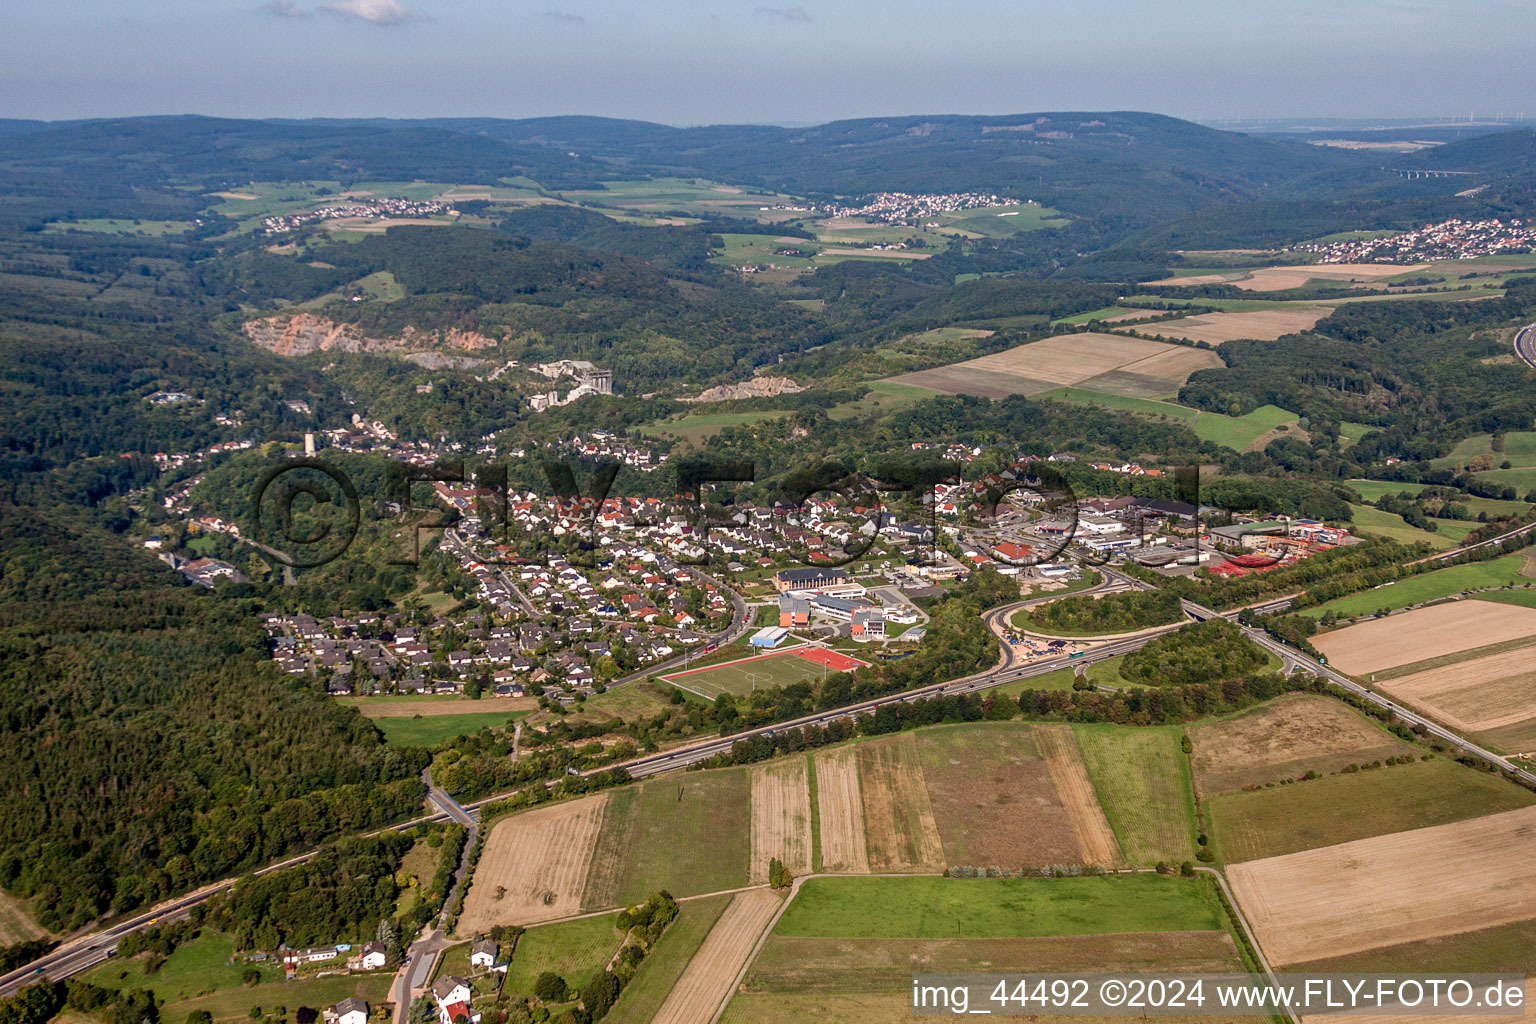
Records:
x=717, y=61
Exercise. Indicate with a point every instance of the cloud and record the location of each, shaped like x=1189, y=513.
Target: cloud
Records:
x=565, y=17
x=794, y=12
x=285, y=9
x=379, y=12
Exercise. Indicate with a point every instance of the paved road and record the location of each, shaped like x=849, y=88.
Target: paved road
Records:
x=87, y=951
x=1525, y=345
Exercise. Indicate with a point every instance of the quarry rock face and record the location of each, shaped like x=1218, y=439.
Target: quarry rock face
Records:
x=303, y=333
x=757, y=387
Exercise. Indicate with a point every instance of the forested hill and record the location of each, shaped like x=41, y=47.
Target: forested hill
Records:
x=1136, y=167
x=1143, y=167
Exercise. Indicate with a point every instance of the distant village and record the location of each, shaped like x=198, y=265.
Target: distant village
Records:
x=901, y=207
x=375, y=209
x=1453, y=239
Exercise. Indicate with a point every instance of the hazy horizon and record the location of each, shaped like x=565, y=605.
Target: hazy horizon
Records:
x=690, y=62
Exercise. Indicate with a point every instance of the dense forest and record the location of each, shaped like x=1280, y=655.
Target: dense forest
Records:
x=213, y=762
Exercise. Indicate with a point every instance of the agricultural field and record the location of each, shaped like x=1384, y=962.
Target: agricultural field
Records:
x=998, y=802
x=535, y=864
x=840, y=810
x=700, y=426
x=430, y=730
x=679, y=944
x=1095, y=362
x=1352, y=897
x=1361, y=895
x=692, y=195
x=1504, y=948
x=1519, y=450
x=1236, y=432
x=1141, y=778
x=16, y=922
x=575, y=950
x=1356, y=805
x=781, y=817
x=1430, y=632
x=883, y=398
x=1275, y=279
x=900, y=830
x=111, y=226
x=1242, y=432
x=781, y=668
x=687, y=834
x=1144, y=406
x=869, y=981
x=1492, y=697
x=426, y=707
x=1284, y=739
x=938, y=908
x=1366, y=520
x=998, y=221
x=710, y=976
x=1260, y=325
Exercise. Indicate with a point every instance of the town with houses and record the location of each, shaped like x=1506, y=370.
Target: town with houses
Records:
x=369, y=209
x=635, y=596
x=1453, y=239
x=904, y=207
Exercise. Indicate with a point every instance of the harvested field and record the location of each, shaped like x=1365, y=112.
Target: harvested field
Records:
x=1507, y=948
x=1068, y=360
x=688, y=834
x=711, y=975
x=1475, y=696
x=1285, y=739
x=540, y=859
x=1370, y=893
x=1341, y=808
x=840, y=811
x=993, y=798
x=1275, y=279
x=899, y=830
x=1424, y=633
x=1064, y=761
x=1261, y=325
x=781, y=818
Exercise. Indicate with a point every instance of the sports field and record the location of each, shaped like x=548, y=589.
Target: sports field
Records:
x=765, y=671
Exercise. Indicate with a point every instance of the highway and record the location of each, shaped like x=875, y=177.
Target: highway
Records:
x=1525, y=345
x=84, y=952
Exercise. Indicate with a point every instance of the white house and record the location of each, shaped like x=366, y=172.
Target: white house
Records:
x=483, y=954
x=351, y=1010
x=374, y=956
x=453, y=996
